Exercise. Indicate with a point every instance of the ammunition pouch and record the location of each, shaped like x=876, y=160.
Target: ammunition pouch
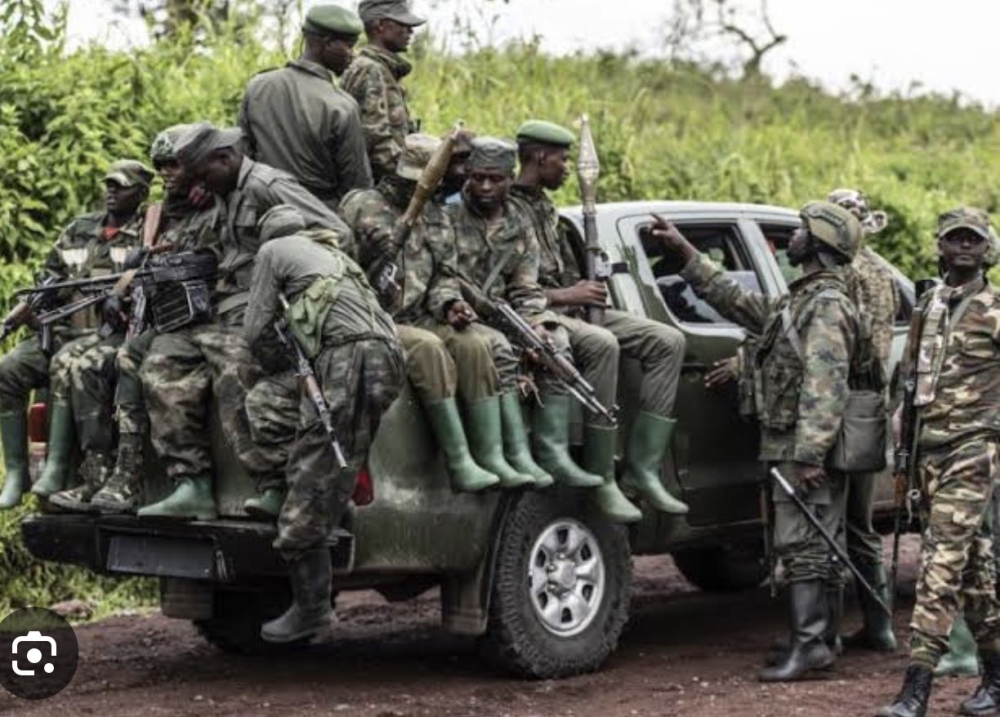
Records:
x=861, y=441
x=181, y=293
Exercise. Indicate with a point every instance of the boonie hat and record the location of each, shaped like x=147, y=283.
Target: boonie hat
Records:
x=417, y=152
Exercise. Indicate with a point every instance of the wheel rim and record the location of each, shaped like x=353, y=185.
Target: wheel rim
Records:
x=566, y=577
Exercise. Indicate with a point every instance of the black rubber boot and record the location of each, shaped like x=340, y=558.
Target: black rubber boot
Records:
x=986, y=700
x=311, y=612
x=876, y=633
x=835, y=610
x=14, y=433
x=809, y=618
x=913, y=697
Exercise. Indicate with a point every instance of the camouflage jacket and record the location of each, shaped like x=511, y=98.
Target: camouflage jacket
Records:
x=964, y=403
x=500, y=259
x=877, y=299
x=428, y=260
x=296, y=119
x=800, y=401
x=373, y=80
x=558, y=266
x=188, y=227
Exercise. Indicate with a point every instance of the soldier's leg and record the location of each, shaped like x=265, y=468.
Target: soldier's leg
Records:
x=176, y=385
x=123, y=492
x=659, y=349
x=432, y=373
x=272, y=407
x=21, y=371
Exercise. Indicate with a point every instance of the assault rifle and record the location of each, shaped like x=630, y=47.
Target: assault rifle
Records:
x=24, y=311
x=308, y=377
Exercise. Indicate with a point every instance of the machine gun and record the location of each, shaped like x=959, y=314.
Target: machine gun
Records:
x=24, y=311
x=305, y=372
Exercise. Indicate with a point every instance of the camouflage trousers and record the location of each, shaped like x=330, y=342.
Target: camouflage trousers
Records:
x=27, y=368
x=130, y=408
x=864, y=544
x=84, y=375
x=359, y=381
x=956, y=563
x=801, y=549
x=658, y=348
x=182, y=372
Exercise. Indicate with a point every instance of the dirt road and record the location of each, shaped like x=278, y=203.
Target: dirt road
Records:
x=684, y=653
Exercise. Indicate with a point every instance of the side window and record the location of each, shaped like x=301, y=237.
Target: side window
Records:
x=723, y=245
x=778, y=237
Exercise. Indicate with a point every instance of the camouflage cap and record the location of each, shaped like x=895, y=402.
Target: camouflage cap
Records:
x=543, y=132
x=195, y=145
x=281, y=220
x=128, y=173
x=417, y=152
x=332, y=20
x=834, y=226
x=165, y=142
x=965, y=218
x=492, y=153
x=397, y=10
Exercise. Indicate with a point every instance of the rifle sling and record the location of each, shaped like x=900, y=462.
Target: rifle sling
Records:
x=151, y=225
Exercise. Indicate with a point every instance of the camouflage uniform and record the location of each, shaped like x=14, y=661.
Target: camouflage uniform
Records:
x=373, y=79
x=357, y=362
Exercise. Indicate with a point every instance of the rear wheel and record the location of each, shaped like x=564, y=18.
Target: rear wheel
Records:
x=724, y=568
x=236, y=619
x=560, y=591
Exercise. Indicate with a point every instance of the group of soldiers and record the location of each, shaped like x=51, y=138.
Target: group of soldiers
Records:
x=321, y=193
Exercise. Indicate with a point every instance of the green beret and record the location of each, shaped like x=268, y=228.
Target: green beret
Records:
x=128, y=173
x=492, y=153
x=202, y=139
x=544, y=132
x=332, y=20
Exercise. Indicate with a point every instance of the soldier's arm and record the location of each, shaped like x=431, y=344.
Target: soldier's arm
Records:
x=828, y=340
x=444, y=288
x=262, y=310
x=748, y=309
x=524, y=293
x=373, y=231
x=372, y=95
x=349, y=151
x=316, y=214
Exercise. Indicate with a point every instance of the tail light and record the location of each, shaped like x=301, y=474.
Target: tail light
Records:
x=37, y=423
x=364, y=488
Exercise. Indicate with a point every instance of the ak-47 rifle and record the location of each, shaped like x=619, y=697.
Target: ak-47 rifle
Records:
x=384, y=275
x=24, y=311
x=588, y=170
x=306, y=374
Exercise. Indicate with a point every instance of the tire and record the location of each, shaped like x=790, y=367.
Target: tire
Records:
x=237, y=616
x=724, y=568
x=592, y=583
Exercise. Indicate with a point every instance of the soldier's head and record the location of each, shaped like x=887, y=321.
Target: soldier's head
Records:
x=281, y=220
x=454, y=178
x=211, y=155
x=164, y=157
x=389, y=23
x=490, y=172
x=830, y=235
x=965, y=239
x=417, y=152
x=543, y=151
x=126, y=186
x=856, y=202
x=330, y=33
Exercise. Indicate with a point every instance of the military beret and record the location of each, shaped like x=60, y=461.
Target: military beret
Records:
x=492, y=153
x=195, y=145
x=128, y=173
x=163, y=149
x=398, y=10
x=332, y=20
x=417, y=152
x=544, y=132
x=965, y=218
x=281, y=220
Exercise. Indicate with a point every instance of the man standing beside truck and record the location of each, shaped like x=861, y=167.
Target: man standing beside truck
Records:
x=808, y=342
x=543, y=150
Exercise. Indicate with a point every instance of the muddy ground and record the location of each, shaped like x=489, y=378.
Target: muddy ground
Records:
x=683, y=653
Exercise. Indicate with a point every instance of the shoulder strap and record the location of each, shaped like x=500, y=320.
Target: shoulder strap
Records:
x=791, y=331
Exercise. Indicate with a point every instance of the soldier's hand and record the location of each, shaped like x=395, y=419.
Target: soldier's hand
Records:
x=199, y=196
x=724, y=371
x=543, y=333
x=671, y=239
x=113, y=313
x=589, y=293
x=808, y=476
x=460, y=315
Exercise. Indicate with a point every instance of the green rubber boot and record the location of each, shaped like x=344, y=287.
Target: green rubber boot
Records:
x=962, y=658
x=876, y=631
x=122, y=492
x=267, y=505
x=648, y=442
x=599, y=444
x=485, y=432
x=192, y=499
x=515, y=440
x=466, y=475
x=14, y=434
x=551, y=441
x=59, y=454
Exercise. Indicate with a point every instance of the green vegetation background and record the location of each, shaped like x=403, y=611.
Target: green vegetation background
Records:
x=666, y=131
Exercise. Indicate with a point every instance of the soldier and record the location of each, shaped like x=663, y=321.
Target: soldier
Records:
x=90, y=246
x=445, y=351
x=878, y=301
x=184, y=368
x=358, y=364
x=956, y=365
x=373, y=79
x=543, y=149
x=298, y=120
x=498, y=259
x=803, y=394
